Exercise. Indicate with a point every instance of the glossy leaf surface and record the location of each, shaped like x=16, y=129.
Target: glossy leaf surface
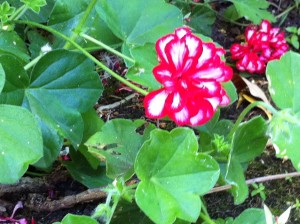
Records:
x=117, y=143
x=21, y=142
x=173, y=175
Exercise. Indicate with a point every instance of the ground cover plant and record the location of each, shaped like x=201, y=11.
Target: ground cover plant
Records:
x=183, y=140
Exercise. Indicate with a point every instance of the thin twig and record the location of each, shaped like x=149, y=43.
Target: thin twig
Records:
x=66, y=202
x=256, y=180
x=116, y=104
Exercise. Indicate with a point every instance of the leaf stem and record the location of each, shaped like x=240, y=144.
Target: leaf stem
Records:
x=106, y=47
x=244, y=113
x=87, y=54
x=286, y=11
x=206, y=218
x=81, y=23
x=33, y=62
x=18, y=13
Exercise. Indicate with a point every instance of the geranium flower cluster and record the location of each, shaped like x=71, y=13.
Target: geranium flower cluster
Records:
x=263, y=44
x=191, y=73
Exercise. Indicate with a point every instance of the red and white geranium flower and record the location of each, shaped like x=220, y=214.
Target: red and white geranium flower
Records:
x=191, y=73
x=263, y=44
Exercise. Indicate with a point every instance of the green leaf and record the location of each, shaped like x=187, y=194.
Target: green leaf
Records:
x=141, y=72
x=21, y=142
x=5, y=11
x=141, y=22
x=37, y=41
x=231, y=91
x=77, y=219
x=250, y=216
x=235, y=176
x=295, y=41
x=16, y=80
x=52, y=145
x=35, y=5
x=291, y=29
x=11, y=43
x=253, y=10
x=117, y=143
x=129, y=212
x=284, y=130
x=62, y=84
x=173, y=175
x=202, y=19
x=231, y=13
x=81, y=170
x=2, y=78
x=66, y=16
x=248, y=142
x=283, y=77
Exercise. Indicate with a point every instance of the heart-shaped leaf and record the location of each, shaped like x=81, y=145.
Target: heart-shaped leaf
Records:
x=283, y=77
x=62, y=84
x=173, y=175
x=21, y=142
x=118, y=144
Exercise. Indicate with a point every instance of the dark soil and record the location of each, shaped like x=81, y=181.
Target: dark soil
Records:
x=280, y=193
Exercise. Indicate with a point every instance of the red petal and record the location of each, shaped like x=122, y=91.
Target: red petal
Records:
x=175, y=102
x=238, y=51
x=163, y=74
x=182, y=31
x=207, y=53
x=154, y=104
x=204, y=114
x=265, y=26
x=194, y=45
x=161, y=45
x=177, y=53
x=181, y=117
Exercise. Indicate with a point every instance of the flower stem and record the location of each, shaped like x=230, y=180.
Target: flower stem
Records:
x=286, y=11
x=87, y=54
x=33, y=62
x=206, y=218
x=18, y=13
x=106, y=47
x=78, y=28
x=244, y=113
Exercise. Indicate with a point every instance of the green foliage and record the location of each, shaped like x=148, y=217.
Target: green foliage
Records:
x=35, y=5
x=293, y=38
x=248, y=142
x=173, y=175
x=253, y=10
x=250, y=216
x=21, y=142
x=284, y=128
x=117, y=143
x=141, y=22
x=66, y=16
x=202, y=19
x=77, y=219
x=5, y=11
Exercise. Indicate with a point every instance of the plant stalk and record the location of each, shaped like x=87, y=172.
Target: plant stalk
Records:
x=83, y=20
x=206, y=219
x=246, y=111
x=106, y=47
x=87, y=54
x=18, y=13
